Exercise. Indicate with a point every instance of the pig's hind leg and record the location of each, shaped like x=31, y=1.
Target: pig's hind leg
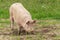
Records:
x=12, y=23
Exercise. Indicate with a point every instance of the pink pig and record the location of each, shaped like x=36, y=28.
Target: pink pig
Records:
x=21, y=16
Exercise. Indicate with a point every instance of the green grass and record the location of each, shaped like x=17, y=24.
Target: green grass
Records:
x=39, y=9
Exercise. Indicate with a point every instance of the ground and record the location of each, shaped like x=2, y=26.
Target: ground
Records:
x=45, y=30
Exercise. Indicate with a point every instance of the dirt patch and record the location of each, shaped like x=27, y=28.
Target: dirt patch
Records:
x=44, y=30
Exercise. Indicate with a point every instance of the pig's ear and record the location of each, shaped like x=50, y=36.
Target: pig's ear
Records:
x=28, y=22
x=34, y=21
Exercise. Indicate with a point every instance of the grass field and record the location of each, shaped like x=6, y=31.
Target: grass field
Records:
x=46, y=12
x=39, y=9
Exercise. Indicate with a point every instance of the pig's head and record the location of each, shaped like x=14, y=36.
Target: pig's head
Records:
x=29, y=26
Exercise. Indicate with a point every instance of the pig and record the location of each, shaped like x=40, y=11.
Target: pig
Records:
x=21, y=16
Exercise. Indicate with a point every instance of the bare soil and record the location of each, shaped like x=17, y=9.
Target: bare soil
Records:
x=44, y=30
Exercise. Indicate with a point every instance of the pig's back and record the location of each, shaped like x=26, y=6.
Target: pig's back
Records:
x=20, y=14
